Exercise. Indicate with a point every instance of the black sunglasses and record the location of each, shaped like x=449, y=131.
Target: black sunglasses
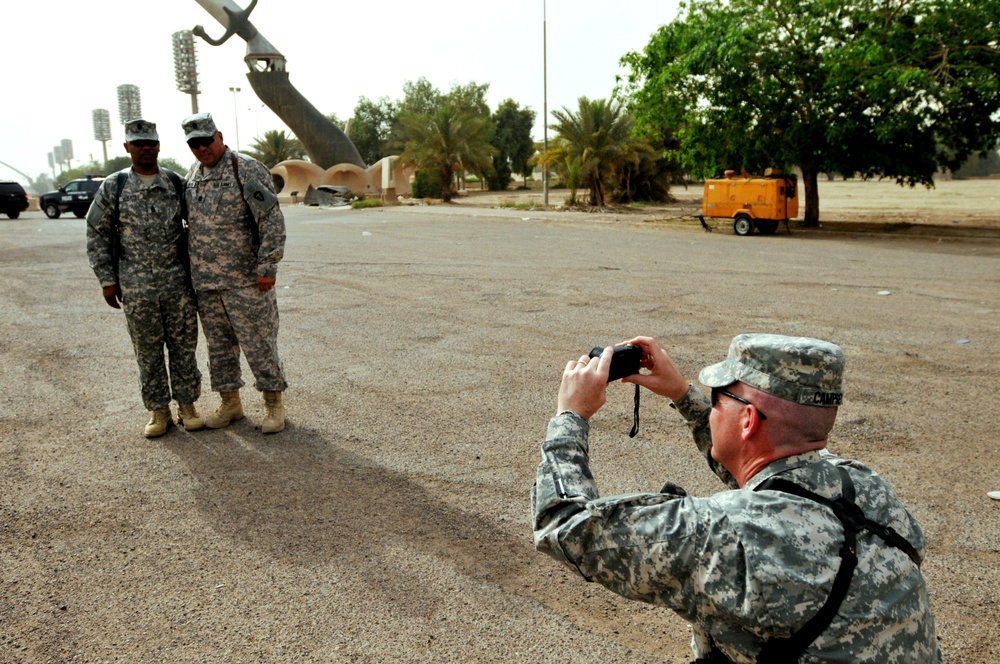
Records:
x=716, y=391
x=201, y=142
x=145, y=144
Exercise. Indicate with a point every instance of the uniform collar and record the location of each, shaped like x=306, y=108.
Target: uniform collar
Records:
x=786, y=465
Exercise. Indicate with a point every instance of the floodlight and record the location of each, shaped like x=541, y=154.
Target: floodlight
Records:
x=129, y=104
x=102, y=124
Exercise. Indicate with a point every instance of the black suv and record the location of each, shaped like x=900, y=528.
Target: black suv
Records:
x=76, y=197
x=13, y=200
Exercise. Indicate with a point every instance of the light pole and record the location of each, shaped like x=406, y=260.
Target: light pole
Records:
x=236, y=115
x=545, y=107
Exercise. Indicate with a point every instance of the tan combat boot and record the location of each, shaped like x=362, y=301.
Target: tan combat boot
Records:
x=159, y=422
x=274, y=415
x=229, y=410
x=188, y=416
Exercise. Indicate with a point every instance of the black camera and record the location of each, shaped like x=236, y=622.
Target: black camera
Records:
x=624, y=362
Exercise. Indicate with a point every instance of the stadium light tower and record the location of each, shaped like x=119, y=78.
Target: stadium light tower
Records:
x=102, y=129
x=186, y=66
x=129, y=104
x=57, y=155
x=67, y=151
x=52, y=165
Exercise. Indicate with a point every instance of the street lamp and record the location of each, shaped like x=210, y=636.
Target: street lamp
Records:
x=545, y=107
x=237, y=117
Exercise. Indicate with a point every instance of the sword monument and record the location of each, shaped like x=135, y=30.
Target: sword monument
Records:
x=325, y=143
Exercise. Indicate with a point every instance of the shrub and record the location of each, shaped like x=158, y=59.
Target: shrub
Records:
x=427, y=185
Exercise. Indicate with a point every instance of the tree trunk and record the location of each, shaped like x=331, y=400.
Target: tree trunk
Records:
x=811, y=186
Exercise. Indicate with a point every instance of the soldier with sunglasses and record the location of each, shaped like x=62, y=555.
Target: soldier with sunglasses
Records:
x=237, y=238
x=807, y=557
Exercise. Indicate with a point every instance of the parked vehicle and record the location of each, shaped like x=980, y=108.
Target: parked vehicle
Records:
x=13, y=199
x=761, y=202
x=75, y=196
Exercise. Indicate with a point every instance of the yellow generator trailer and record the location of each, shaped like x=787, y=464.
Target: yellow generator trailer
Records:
x=751, y=202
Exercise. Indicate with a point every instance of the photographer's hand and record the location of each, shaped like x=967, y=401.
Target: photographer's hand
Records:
x=663, y=377
x=584, y=384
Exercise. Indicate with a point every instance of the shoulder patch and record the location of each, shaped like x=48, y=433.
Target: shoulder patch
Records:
x=259, y=197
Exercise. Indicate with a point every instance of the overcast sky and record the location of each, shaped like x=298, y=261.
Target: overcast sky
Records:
x=67, y=58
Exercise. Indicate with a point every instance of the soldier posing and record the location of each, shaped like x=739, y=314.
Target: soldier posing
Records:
x=808, y=558
x=136, y=243
x=237, y=238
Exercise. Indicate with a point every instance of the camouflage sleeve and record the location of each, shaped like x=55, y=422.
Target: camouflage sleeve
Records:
x=641, y=546
x=563, y=483
x=695, y=407
x=99, y=233
x=258, y=190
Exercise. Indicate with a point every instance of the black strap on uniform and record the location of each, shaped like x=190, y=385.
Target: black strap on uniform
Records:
x=182, y=247
x=250, y=219
x=854, y=521
x=173, y=177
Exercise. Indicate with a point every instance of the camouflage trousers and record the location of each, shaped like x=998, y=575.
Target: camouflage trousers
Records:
x=170, y=322
x=247, y=319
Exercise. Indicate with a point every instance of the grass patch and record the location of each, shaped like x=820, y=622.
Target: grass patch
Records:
x=366, y=203
x=515, y=205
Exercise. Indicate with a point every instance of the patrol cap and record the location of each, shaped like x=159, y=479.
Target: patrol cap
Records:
x=140, y=130
x=806, y=371
x=199, y=125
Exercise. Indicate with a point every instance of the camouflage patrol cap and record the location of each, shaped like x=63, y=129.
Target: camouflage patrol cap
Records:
x=140, y=130
x=806, y=371
x=199, y=125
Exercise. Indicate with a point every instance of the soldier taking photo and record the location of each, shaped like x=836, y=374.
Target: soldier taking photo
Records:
x=807, y=557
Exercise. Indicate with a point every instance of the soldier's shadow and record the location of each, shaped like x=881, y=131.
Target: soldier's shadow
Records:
x=298, y=496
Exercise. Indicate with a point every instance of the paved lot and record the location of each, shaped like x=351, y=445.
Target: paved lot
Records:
x=424, y=348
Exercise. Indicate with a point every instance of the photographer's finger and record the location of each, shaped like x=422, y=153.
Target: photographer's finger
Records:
x=604, y=362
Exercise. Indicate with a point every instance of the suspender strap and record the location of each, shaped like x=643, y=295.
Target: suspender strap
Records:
x=854, y=520
x=250, y=219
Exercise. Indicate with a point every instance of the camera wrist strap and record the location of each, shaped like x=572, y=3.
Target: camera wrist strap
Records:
x=635, y=415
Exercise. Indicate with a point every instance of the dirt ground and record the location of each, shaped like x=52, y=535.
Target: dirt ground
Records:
x=424, y=346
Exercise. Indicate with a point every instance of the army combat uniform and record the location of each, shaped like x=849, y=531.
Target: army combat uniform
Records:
x=159, y=304
x=749, y=566
x=225, y=264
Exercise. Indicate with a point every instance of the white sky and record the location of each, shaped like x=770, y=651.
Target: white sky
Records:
x=66, y=58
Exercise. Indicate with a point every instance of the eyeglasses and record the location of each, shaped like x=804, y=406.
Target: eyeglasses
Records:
x=716, y=391
x=201, y=142
x=145, y=144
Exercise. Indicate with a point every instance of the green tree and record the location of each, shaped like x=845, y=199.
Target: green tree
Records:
x=512, y=139
x=447, y=142
x=371, y=127
x=599, y=135
x=275, y=146
x=895, y=88
x=332, y=117
x=469, y=98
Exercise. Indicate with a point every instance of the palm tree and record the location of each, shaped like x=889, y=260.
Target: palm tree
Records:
x=275, y=147
x=447, y=142
x=595, y=142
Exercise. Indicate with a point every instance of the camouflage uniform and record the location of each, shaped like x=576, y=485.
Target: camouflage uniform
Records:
x=159, y=304
x=225, y=265
x=742, y=566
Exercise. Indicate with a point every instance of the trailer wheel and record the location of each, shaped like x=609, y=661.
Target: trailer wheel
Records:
x=743, y=225
x=767, y=226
